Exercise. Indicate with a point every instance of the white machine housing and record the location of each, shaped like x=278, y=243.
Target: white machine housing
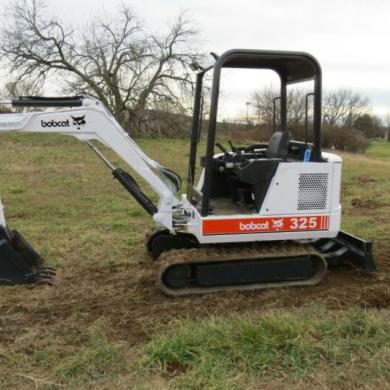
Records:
x=302, y=202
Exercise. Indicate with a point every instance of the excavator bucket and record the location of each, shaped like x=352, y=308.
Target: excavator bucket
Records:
x=19, y=262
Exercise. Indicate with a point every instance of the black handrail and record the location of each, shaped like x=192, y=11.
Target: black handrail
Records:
x=39, y=101
x=306, y=114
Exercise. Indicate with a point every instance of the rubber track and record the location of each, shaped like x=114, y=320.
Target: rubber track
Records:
x=221, y=253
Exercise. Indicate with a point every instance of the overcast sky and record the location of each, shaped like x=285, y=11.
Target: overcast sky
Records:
x=350, y=38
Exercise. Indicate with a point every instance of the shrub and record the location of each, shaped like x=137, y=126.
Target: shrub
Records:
x=344, y=138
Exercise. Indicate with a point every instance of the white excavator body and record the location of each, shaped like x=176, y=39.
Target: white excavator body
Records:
x=262, y=215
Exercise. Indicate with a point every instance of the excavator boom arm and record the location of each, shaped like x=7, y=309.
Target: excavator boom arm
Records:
x=87, y=119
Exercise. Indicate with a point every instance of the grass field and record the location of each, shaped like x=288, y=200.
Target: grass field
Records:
x=104, y=325
x=379, y=149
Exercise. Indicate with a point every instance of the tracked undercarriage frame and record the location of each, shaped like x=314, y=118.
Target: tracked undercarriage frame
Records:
x=188, y=268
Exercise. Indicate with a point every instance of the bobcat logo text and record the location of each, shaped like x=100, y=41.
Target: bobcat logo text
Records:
x=53, y=123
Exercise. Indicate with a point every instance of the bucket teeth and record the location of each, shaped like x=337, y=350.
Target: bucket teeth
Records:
x=19, y=263
x=45, y=276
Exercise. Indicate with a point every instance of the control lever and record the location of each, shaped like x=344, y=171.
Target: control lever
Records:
x=221, y=148
x=234, y=149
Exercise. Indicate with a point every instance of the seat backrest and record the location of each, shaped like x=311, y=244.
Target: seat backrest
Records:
x=278, y=145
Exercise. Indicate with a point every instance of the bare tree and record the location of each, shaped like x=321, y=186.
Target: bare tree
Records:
x=263, y=102
x=128, y=69
x=20, y=88
x=342, y=107
x=295, y=107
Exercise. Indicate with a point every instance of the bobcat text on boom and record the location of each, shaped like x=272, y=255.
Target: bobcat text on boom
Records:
x=54, y=123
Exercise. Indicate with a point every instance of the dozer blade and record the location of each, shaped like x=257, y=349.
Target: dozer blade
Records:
x=347, y=249
x=239, y=267
x=19, y=261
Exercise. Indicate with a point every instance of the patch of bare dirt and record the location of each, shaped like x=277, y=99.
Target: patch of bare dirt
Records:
x=175, y=369
x=364, y=179
x=366, y=203
x=126, y=296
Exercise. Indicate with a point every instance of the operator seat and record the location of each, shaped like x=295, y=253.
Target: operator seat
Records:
x=278, y=145
x=254, y=175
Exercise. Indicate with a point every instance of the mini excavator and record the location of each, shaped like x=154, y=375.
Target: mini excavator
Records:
x=259, y=216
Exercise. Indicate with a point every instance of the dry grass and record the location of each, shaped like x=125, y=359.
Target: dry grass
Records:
x=91, y=328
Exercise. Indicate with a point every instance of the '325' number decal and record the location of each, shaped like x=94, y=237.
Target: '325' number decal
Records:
x=303, y=223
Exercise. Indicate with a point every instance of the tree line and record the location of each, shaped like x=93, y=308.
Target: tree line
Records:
x=347, y=120
x=143, y=77
x=341, y=108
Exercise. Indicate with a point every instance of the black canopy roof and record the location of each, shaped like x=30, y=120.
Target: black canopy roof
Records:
x=290, y=65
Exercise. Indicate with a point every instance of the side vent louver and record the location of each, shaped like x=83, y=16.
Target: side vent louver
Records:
x=313, y=191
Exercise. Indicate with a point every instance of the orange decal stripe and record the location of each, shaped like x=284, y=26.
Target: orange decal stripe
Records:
x=265, y=225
